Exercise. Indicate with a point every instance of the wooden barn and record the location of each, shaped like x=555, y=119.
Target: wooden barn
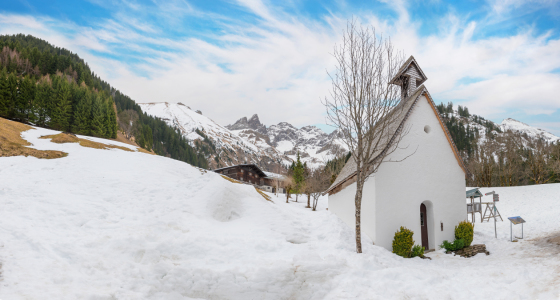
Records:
x=252, y=174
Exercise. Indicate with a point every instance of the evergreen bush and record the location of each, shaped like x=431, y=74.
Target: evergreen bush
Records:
x=417, y=250
x=456, y=245
x=464, y=231
x=403, y=242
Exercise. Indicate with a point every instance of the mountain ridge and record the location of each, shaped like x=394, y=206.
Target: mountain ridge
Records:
x=248, y=140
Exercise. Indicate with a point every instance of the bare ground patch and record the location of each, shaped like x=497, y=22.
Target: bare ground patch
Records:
x=12, y=144
x=62, y=138
x=550, y=242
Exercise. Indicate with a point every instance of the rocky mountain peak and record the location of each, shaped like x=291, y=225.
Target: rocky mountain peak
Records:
x=253, y=123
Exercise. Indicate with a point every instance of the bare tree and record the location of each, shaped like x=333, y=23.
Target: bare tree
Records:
x=540, y=163
x=483, y=164
x=316, y=184
x=288, y=185
x=509, y=161
x=128, y=122
x=363, y=105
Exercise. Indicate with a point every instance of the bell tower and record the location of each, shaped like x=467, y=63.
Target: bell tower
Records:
x=409, y=78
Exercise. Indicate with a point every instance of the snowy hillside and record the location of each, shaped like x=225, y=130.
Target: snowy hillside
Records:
x=110, y=224
x=230, y=149
x=516, y=126
x=482, y=127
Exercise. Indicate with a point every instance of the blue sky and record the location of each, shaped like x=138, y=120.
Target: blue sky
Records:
x=230, y=59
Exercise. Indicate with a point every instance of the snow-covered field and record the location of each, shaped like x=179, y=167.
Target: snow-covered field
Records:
x=110, y=224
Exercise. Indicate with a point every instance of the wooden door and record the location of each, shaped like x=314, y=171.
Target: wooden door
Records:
x=424, y=226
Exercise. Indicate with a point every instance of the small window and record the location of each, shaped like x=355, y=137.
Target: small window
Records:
x=427, y=129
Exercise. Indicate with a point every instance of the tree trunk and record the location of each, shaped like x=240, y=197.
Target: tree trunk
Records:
x=296, y=197
x=308, y=199
x=358, y=202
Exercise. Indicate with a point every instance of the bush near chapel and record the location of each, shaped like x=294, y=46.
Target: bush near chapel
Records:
x=403, y=242
x=417, y=250
x=464, y=231
x=456, y=245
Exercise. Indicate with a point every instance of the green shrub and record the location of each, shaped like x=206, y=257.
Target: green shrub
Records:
x=403, y=242
x=459, y=244
x=456, y=245
x=447, y=246
x=417, y=250
x=464, y=231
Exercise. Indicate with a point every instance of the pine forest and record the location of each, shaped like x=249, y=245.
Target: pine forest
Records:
x=54, y=88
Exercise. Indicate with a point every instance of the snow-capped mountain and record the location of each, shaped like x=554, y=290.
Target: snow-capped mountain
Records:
x=223, y=147
x=314, y=145
x=517, y=126
x=248, y=140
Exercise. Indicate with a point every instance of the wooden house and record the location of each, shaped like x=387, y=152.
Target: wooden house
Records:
x=252, y=174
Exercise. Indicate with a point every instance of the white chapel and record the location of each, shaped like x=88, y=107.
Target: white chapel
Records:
x=425, y=192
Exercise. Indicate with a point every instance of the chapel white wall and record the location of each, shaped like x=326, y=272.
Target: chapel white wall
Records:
x=342, y=204
x=430, y=175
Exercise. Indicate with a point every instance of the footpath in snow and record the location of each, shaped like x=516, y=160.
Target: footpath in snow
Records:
x=111, y=224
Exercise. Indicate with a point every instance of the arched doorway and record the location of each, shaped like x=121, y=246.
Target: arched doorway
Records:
x=424, y=226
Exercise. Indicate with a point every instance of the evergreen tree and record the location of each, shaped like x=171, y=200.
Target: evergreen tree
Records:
x=61, y=105
x=25, y=108
x=4, y=96
x=11, y=95
x=82, y=113
x=42, y=100
x=110, y=120
x=148, y=137
x=299, y=176
x=97, y=116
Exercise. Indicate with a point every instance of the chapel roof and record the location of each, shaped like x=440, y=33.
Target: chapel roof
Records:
x=403, y=110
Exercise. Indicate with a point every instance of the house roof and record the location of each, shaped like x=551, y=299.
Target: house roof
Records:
x=403, y=110
x=251, y=166
x=474, y=193
x=397, y=79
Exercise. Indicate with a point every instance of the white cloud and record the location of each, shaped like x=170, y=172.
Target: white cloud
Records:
x=30, y=22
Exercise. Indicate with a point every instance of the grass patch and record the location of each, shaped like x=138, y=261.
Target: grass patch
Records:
x=265, y=196
x=12, y=144
x=230, y=179
x=62, y=138
x=121, y=138
x=145, y=151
